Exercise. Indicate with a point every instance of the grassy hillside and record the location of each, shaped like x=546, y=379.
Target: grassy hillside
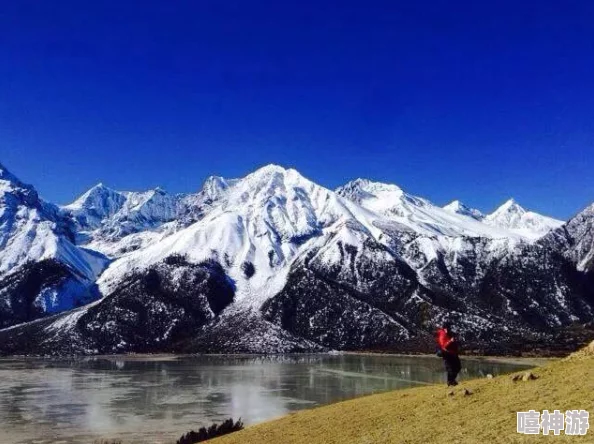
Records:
x=434, y=415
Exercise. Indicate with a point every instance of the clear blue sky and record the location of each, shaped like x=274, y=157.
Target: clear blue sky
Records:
x=472, y=100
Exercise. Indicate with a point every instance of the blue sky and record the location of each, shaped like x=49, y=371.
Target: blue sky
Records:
x=472, y=100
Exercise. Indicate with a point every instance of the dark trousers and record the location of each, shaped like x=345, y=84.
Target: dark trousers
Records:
x=452, y=366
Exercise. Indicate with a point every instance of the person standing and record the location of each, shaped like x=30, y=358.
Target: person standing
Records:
x=448, y=349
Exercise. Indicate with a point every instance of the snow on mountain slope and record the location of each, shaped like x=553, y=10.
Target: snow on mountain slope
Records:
x=118, y=222
x=215, y=187
x=416, y=213
x=512, y=217
x=116, y=248
x=94, y=206
x=41, y=270
x=263, y=221
x=32, y=230
x=273, y=215
x=275, y=262
x=151, y=206
x=575, y=239
x=115, y=214
x=457, y=207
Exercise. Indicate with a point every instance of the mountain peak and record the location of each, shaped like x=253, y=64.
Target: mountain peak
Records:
x=361, y=187
x=457, y=207
x=34, y=230
x=94, y=205
x=10, y=184
x=511, y=216
x=271, y=168
x=92, y=196
x=270, y=178
x=510, y=205
x=214, y=187
x=7, y=176
x=97, y=186
x=100, y=186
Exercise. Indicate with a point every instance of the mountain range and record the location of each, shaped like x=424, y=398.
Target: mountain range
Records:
x=274, y=262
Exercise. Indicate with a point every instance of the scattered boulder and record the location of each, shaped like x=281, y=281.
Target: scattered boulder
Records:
x=529, y=376
x=467, y=392
x=451, y=393
x=489, y=376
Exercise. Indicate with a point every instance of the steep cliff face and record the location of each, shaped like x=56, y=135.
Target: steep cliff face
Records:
x=575, y=239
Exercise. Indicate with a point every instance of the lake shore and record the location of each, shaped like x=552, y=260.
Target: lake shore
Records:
x=530, y=360
x=144, y=399
x=479, y=410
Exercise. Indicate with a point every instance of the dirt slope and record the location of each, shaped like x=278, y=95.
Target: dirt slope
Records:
x=433, y=415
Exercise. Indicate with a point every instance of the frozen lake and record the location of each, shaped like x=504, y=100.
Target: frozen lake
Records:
x=157, y=399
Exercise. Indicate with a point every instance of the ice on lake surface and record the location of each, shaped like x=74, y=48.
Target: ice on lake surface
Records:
x=156, y=400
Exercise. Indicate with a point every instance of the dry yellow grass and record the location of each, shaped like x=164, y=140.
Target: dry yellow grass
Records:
x=430, y=415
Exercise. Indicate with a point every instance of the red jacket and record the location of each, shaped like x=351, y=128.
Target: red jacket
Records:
x=446, y=342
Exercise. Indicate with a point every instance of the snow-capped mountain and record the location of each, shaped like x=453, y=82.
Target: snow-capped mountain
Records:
x=215, y=188
x=457, y=207
x=512, y=217
x=262, y=221
x=275, y=262
x=118, y=222
x=33, y=230
x=415, y=213
x=96, y=205
x=37, y=241
x=116, y=214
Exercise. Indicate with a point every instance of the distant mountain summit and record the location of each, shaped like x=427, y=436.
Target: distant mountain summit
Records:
x=512, y=217
x=273, y=262
x=416, y=213
x=457, y=207
x=122, y=212
x=96, y=205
